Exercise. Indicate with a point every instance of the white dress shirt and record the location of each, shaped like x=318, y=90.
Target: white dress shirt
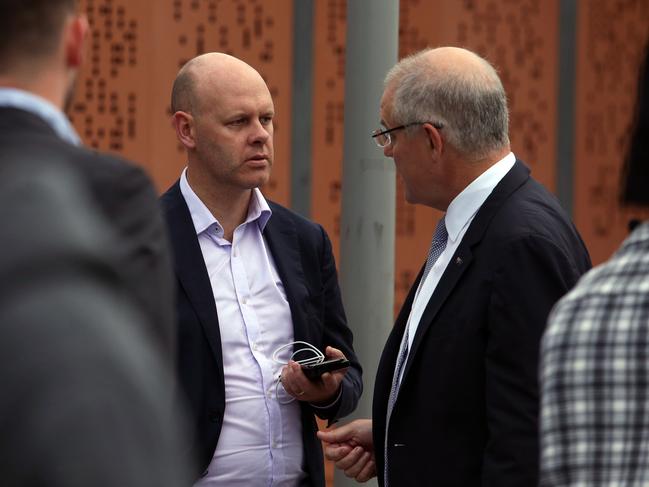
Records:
x=261, y=439
x=459, y=215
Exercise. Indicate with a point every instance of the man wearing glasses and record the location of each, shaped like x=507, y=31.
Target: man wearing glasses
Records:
x=456, y=397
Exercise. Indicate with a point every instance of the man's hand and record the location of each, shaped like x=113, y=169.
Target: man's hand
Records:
x=351, y=447
x=322, y=391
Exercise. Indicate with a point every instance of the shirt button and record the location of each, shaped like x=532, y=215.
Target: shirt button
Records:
x=254, y=346
x=244, y=301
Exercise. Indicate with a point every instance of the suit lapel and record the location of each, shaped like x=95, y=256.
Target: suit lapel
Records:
x=463, y=256
x=190, y=268
x=282, y=239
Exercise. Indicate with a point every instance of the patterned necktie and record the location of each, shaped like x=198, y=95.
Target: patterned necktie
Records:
x=437, y=246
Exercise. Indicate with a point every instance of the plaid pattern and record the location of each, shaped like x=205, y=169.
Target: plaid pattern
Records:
x=595, y=376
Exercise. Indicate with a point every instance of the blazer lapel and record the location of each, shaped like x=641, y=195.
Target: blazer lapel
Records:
x=463, y=256
x=190, y=268
x=282, y=239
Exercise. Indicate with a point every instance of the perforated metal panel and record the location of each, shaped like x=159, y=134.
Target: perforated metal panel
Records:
x=328, y=114
x=611, y=37
x=137, y=46
x=135, y=51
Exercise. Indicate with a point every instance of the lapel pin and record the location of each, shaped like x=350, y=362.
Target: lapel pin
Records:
x=458, y=261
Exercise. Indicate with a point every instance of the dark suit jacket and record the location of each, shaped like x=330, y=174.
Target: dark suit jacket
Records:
x=85, y=398
x=302, y=253
x=466, y=414
x=126, y=199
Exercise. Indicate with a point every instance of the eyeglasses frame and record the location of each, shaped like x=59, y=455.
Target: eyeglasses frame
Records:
x=378, y=133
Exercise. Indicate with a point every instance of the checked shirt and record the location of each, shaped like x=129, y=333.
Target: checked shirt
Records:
x=595, y=376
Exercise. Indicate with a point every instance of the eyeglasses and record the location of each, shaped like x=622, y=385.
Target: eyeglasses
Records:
x=383, y=139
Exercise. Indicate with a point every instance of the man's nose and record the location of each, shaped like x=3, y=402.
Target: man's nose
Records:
x=260, y=132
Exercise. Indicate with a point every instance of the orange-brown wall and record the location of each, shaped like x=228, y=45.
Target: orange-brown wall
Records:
x=137, y=46
x=611, y=36
x=135, y=50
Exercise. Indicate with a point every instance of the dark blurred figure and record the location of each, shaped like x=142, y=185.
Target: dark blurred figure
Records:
x=595, y=353
x=635, y=189
x=85, y=395
x=86, y=392
x=41, y=48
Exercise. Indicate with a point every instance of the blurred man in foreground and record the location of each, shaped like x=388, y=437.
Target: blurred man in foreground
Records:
x=595, y=355
x=84, y=287
x=41, y=49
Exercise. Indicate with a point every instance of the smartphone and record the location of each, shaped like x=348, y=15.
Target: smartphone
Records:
x=314, y=371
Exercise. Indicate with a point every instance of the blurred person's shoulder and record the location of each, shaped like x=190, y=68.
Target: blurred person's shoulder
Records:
x=605, y=293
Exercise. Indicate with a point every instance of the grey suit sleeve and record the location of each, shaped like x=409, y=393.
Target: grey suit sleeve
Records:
x=85, y=396
x=144, y=253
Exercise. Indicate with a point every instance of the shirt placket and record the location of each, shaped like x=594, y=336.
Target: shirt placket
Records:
x=254, y=332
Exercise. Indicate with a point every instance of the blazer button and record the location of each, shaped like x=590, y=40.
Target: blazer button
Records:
x=214, y=417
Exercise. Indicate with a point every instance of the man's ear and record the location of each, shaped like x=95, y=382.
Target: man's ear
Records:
x=74, y=38
x=434, y=138
x=183, y=123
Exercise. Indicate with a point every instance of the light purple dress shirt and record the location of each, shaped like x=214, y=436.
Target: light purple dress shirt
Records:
x=261, y=438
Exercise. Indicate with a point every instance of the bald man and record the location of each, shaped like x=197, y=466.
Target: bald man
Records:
x=456, y=397
x=253, y=278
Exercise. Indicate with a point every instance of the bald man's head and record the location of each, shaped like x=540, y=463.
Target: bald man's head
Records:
x=208, y=70
x=456, y=88
x=223, y=115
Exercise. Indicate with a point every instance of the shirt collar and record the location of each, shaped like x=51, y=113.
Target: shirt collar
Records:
x=55, y=118
x=258, y=209
x=466, y=204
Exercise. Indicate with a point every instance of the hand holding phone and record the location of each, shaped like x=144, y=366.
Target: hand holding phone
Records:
x=314, y=371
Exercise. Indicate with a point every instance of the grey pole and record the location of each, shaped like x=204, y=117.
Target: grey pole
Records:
x=565, y=104
x=368, y=191
x=302, y=107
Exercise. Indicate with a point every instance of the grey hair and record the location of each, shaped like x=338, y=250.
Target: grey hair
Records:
x=470, y=103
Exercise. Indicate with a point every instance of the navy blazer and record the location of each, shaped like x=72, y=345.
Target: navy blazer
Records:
x=302, y=253
x=467, y=409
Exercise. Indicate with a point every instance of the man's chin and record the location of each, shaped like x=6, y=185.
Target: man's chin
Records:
x=262, y=182
x=258, y=180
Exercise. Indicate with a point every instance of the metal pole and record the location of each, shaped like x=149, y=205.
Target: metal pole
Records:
x=566, y=104
x=302, y=108
x=368, y=191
